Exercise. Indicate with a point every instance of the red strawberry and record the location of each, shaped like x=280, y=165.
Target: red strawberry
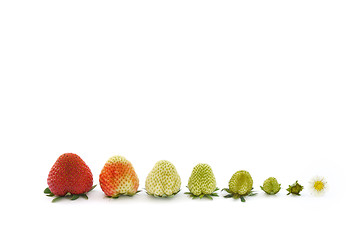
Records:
x=69, y=176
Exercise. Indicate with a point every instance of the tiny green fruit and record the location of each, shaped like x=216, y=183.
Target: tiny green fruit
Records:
x=271, y=186
x=295, y=189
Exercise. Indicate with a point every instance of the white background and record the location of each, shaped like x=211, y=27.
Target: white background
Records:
x=272, y=87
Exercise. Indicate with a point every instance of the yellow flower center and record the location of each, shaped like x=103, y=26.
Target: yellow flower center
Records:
x=319, y=185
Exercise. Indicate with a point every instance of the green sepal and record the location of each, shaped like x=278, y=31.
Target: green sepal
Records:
x=67, y=195
x=84, y=196
x=47, y=191
x=238, y=196
x=209, y=196
x=74, y=197
x=252, y=194
x=56, y=199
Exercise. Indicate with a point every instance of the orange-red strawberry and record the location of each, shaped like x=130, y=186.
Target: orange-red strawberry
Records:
x=118, y=178
x=69, y=176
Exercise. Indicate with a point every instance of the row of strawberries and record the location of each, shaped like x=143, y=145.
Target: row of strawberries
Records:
x=71, y=177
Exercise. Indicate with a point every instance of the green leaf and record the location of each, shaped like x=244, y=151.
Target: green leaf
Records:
x=74, y=197
x=187, y=193
x=92, y=187
x=201, y=196
x=242, y=199
x=216, y=189
x=214, y=195
x=57, y=199
x=84, y=196
x=228, y=196
x=50, y=195
x=208, y=196
x=47, y=190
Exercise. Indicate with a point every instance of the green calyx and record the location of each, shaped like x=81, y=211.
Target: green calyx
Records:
x=68, y=195
x=209, y=196
x=295, y=189
x=271, y=186
x=237, y=195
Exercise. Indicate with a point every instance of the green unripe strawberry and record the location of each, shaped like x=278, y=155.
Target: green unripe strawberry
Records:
x=295, y=189
x=271, y=186
x=163, y=180
x=240, y=185
x=202, y=182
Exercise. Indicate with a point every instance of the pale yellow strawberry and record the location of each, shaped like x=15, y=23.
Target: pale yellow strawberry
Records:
x=163, y=180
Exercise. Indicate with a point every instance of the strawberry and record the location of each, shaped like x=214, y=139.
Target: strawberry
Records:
x=240, y=185
x=118, y=177
x=69, y=176
x=163, y=180
x=202, y=182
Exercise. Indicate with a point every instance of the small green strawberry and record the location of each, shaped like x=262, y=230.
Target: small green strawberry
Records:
x=295, y=189
x=202, y=182
x=271, y=186
x=240, y=185
x=163, y=180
